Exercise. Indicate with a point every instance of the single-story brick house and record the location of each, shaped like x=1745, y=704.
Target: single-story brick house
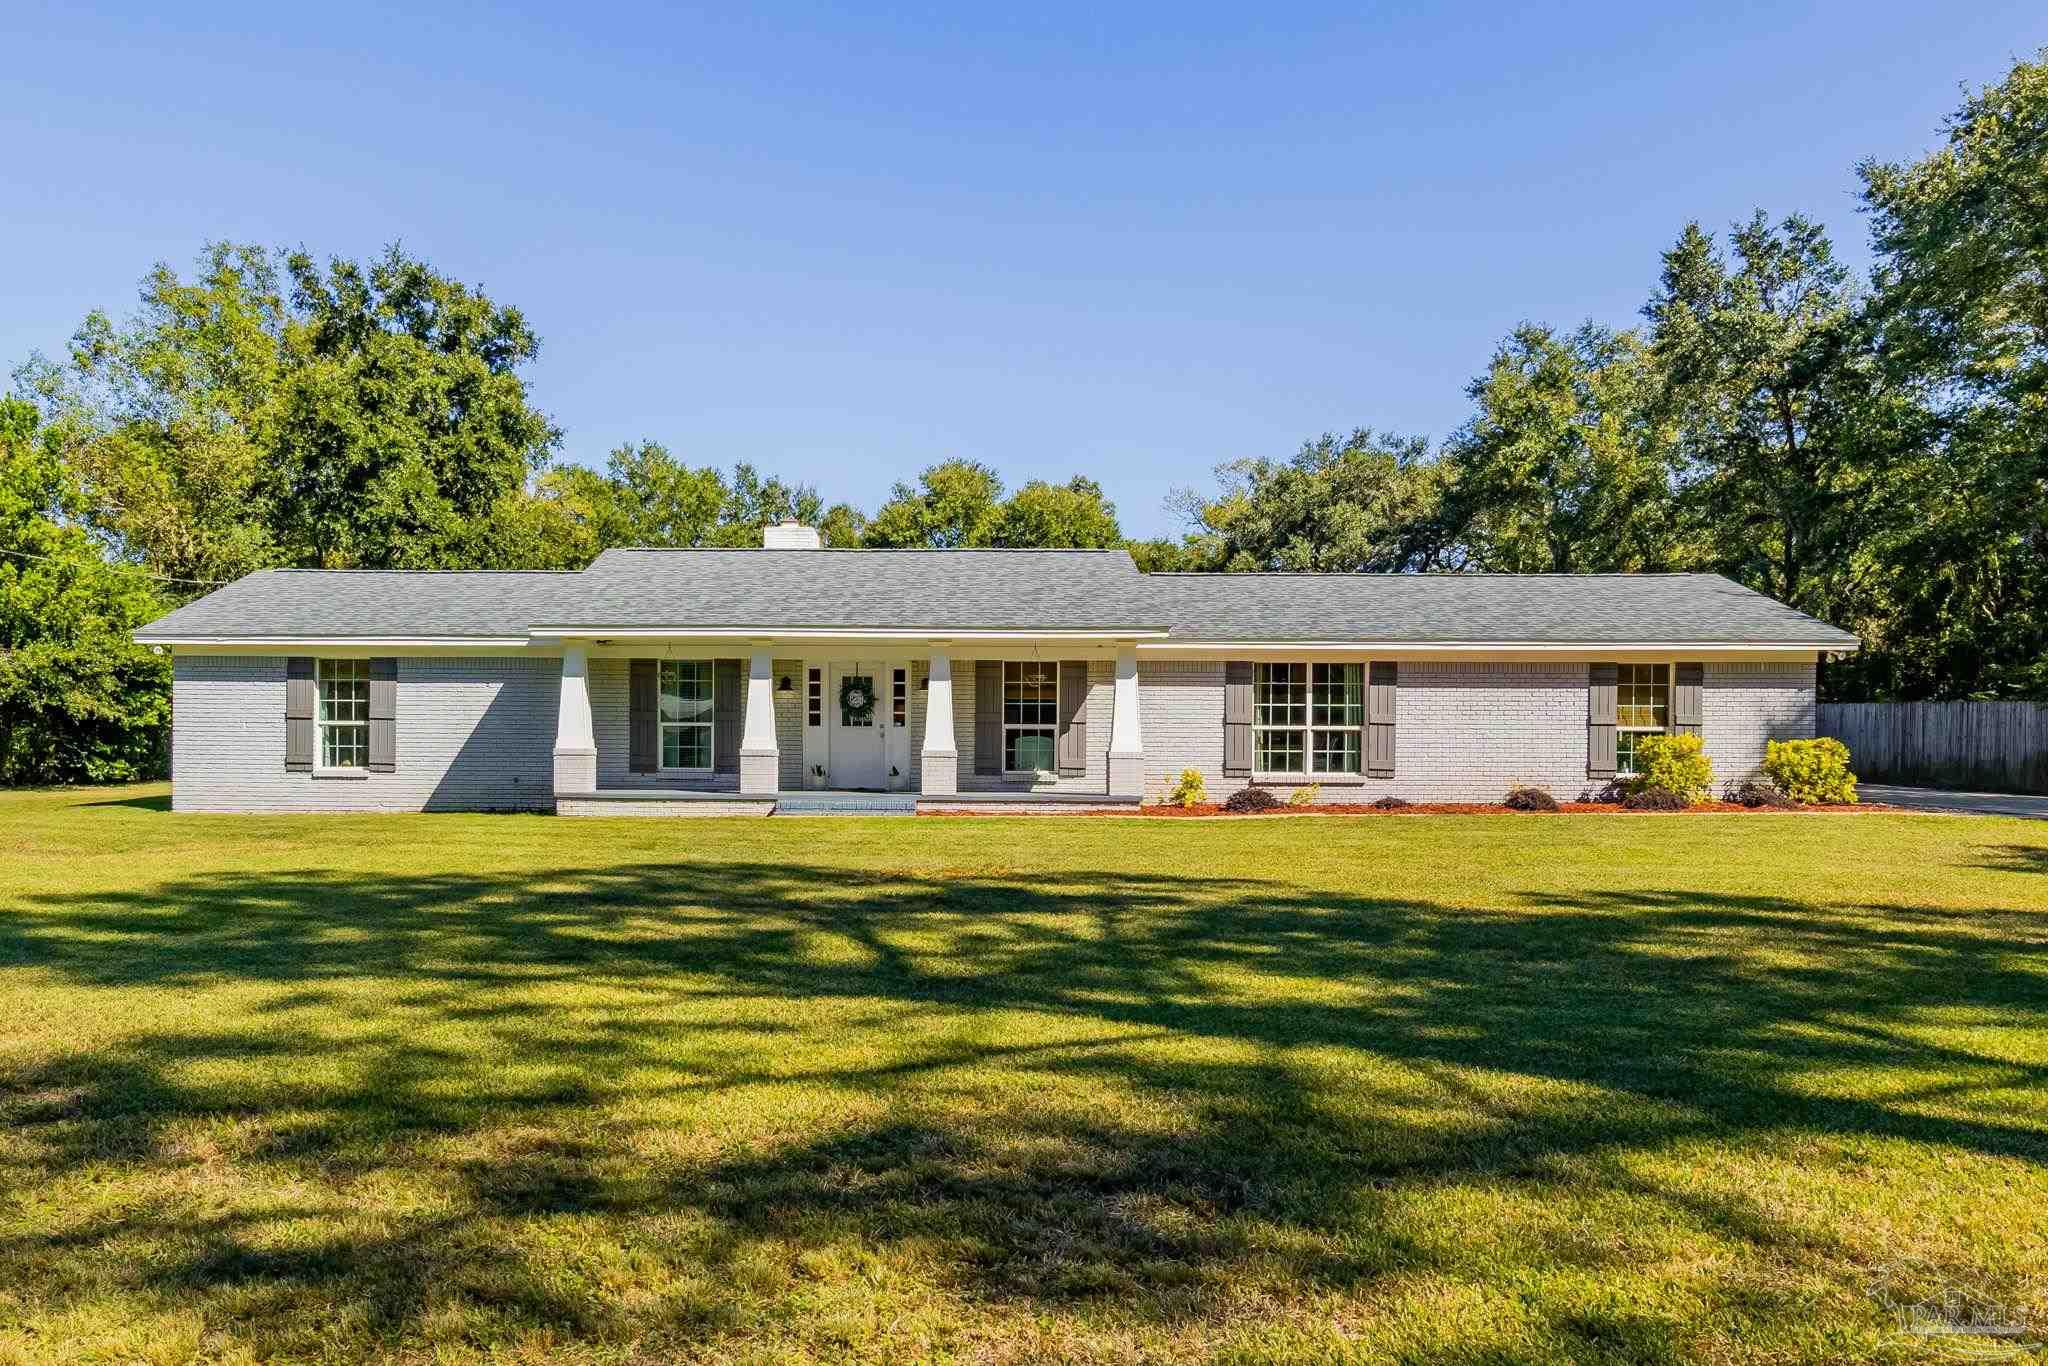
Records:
x=725, y=681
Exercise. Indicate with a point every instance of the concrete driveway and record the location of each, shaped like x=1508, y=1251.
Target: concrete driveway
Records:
x=1956, y=803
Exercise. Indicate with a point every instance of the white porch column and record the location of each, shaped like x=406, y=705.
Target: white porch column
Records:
x=575, y=741
x=1126, y=740
x=760, y=771
x=941, y=755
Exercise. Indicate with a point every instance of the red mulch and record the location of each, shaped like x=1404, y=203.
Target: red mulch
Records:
x=1473, y=809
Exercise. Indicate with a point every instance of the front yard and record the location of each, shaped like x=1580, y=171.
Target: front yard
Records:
x=1448, y=1088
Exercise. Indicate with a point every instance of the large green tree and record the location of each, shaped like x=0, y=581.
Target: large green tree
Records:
x=1784, y=424
x=1360, y=503
x=954, y=504
x=79, y=701
x=401, y=417
x=1962, y=316
x=164, y=423
x=959, y=504
x=1565, y=465
x=266, y=412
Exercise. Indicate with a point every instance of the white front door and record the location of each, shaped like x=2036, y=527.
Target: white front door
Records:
x=857, y=733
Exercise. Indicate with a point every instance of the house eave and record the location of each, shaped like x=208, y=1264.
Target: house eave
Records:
x=554, y=634
x=1498, y=646
x=335, y=641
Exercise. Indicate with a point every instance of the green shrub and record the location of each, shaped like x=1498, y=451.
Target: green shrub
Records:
x=1305, y=796
x=1529, y=799
x=1190, y=790
x=1676, y=763
x=1249, y=799
x=1810, y=771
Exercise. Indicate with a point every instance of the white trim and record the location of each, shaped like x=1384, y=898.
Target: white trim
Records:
x=1386, y=649
x=931, y=635
x=1004, y=727
x=342, y=642
x=661, y=727
x=1308, y=773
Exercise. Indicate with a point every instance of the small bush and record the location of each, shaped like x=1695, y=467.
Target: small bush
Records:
x=1529, y=799
x=1754, y=795
x=1676, y=763
x=1810, y=771
x=1305, y=796
x=1190, y=790
x=1655, y=799
x=1247, y=799
x=1392, y=804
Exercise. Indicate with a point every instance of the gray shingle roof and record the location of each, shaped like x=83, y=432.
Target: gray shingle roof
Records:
x=368, y=602
x=1534, y=608
x=990, y=590
x=965, y=590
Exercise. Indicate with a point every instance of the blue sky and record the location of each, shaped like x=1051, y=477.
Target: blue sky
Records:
x=1128, y=240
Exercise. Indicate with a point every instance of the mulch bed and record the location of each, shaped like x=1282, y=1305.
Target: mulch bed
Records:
x=1464, y=809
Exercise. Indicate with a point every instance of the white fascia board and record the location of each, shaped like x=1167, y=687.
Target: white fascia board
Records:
x=343, y=642
x=555, y=633
x=1507, y=646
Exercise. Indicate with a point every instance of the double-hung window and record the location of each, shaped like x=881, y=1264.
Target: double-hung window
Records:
x=1642, y=706
x=686, y=713
x=1031, y=699
x=344, y=694
x=1308, y=718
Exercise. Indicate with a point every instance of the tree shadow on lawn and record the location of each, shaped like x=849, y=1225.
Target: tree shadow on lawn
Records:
x=1652, y=1017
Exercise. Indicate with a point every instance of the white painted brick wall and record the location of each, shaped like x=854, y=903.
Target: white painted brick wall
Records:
x=610, y=707
x=789, y=725
x=1470, y=731
x=1101, y=705
x=478, y=733
x=473, y=733
x=1743, y=705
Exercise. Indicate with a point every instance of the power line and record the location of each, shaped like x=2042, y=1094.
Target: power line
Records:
x=146, y=573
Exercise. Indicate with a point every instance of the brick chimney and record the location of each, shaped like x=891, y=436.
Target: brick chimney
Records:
x=790, y=534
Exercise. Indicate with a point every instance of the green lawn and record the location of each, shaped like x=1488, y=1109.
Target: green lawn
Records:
x=1388, y=1088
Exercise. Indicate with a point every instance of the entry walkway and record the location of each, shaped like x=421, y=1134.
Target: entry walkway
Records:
x=1957, y=803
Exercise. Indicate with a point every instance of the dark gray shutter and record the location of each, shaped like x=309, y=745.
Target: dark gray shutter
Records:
x=1381, y=681
x=726, y=720
x=643, y=711
x=383, y=716
x=1237, y=716
x=1073, y=717
x=1686, y=681
x=988, y=716
x=1600, y=719
x=300, y=693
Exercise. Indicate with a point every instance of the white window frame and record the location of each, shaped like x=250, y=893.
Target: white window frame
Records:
x=814, y=698
x=323, y=727
x=1009, y=726
x=1308, y=772
x=1670, y=683
x=662, y=725
x=899, y=699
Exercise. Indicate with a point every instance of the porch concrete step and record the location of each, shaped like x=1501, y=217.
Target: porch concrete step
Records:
x=847, y=804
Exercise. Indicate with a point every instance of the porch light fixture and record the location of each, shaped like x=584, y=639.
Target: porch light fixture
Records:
x=785, y=685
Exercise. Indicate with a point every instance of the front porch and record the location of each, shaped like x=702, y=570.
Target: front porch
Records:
x=645, y=802
x=686, y=727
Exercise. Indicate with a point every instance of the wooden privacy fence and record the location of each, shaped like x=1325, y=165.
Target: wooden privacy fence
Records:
x=2000, y=746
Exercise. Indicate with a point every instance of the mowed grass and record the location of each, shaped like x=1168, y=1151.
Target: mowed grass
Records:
x=1484, y=1088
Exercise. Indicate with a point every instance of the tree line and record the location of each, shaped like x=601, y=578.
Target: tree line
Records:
x=1873, y=451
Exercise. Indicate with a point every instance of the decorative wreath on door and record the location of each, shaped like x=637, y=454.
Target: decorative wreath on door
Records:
x=856, y=700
